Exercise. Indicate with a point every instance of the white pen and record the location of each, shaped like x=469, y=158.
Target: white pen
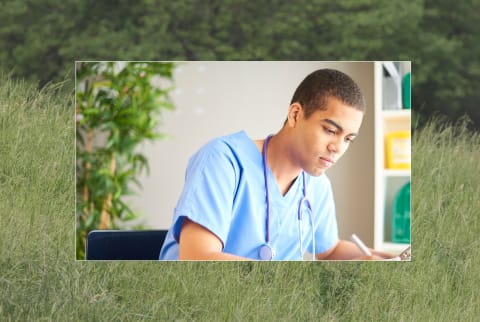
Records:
x=360, y=245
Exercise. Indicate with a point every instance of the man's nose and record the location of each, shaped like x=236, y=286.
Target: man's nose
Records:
x=336, y=146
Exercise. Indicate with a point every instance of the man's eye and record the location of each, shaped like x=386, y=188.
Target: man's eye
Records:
x=330, y=131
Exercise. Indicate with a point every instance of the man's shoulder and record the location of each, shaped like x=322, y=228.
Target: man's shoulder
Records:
x=233, y=147
x=231, y=143
x=231, y=139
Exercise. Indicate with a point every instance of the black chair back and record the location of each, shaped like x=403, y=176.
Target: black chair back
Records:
x=124, y=244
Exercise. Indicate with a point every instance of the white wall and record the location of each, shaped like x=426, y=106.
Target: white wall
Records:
x=218, y=98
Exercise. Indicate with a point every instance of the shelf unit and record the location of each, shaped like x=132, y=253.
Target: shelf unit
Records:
x=387, y=181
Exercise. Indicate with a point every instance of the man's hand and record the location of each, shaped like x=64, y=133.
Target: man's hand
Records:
x=370, y=258
x=383, y=255
x=346, y=250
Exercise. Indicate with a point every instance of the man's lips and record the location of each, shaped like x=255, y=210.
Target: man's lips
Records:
x=327, y=162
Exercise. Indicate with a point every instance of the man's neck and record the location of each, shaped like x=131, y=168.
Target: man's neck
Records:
x=281, y=162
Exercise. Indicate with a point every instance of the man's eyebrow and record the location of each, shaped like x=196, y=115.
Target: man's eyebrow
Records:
x=340, y=129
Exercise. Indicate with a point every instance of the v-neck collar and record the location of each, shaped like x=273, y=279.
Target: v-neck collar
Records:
x=274, y=189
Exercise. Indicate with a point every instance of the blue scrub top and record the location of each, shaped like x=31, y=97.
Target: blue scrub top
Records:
x=224, y=192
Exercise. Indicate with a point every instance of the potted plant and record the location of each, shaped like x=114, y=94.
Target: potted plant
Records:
x=118, y=105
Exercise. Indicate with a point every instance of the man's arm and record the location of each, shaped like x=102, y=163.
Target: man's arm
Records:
x=345, y=250
x=198, y=243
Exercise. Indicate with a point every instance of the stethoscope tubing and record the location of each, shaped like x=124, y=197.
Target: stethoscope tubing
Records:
x=266, y=251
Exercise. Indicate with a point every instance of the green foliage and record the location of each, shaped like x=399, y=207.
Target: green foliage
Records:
x=42, y=39
x=120, y=102
x=41, y=281
x=447, y=75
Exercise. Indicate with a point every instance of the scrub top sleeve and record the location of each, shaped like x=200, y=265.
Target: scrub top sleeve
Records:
x=208, y=193
x=326, y=234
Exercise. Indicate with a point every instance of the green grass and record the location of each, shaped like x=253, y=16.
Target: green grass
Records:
x=41, y=281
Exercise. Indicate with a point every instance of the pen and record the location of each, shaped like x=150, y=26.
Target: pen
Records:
x=360, y=245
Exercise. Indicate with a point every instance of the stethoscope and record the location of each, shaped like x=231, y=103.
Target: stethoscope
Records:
x=267, y=252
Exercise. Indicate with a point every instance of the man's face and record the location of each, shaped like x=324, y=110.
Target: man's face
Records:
x=324, y=137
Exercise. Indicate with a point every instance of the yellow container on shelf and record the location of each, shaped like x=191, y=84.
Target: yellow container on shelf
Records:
x=398, y=150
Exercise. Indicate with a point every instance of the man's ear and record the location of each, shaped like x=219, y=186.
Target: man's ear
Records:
x=294, y=113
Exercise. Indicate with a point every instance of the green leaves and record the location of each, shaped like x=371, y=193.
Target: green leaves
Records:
x=440, y=37
x=119, y=103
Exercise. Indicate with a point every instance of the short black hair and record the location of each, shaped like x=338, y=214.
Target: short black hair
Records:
x=313, y=91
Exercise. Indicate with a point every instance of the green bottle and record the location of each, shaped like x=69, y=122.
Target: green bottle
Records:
x=401, y=215
x=406, y=89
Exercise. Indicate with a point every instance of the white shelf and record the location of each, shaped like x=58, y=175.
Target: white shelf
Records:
x=396, y=114
x=396, y=173
x=386, y=179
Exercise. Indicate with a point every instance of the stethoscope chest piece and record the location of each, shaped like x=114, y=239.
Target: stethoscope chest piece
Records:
x=266, y=252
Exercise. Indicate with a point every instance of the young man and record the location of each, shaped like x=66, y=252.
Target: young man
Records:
x=270, y=199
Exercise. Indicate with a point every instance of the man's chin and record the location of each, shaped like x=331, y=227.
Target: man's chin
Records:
x=317, y=172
